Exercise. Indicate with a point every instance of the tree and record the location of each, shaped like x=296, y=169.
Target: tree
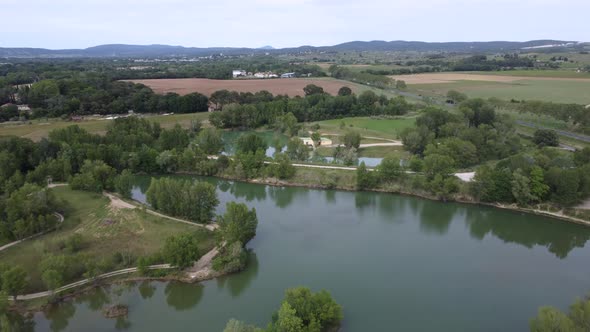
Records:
x=14, y=281
x=521, y=189
x=312, y=89
x=238, y=223
x=438, y=164
x=287, y=320
x=194, y=200
x=282, y=167
x=400, y=85
x=95, y=175
x=389, y=169
x=124, y=183
x=287, y=124
x=251, y=143
x=456, y=97
x=52, y=279
x=297, y=150
x=539, y=188
x=318, y=311
x=181, y=251
x=551, y=320
x=416, y=139
x=545, y=137
x=210, y=141
x=477, y=112
x=364, y=178
x=316, y=138
x=352, y=139
x=344, y=91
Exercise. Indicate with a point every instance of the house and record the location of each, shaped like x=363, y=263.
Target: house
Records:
x=309, y=142
x=24, y=108
x=238, y=73
x=288, y=75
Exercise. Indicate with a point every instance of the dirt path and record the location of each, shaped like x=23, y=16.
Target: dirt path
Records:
x=60, y=219
x=118, y=203
x=381, y=144
x=202, y=269
x=585, y=205
x=87, y=281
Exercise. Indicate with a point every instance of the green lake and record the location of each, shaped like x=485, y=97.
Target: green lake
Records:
x=394, y=263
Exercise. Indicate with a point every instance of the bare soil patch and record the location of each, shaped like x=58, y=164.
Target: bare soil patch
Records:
x=434, y=78
x=286, y=86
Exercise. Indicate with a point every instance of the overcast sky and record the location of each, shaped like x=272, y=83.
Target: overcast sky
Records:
x=60, y=24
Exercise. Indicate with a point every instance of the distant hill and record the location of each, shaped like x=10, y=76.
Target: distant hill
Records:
x=136, y=51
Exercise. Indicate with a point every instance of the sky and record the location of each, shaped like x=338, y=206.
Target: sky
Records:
x=60, y=24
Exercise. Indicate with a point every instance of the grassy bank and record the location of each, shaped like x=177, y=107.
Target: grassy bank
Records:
x=108, y=234
x=40, y=128
x=387, y=128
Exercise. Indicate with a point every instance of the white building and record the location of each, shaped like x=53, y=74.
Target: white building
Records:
x=288, y=75
x=238, y=73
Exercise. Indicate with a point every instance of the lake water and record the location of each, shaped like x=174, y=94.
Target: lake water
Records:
x=394, y=263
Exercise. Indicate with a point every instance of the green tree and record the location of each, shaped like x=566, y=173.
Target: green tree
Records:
x=316, y=138
x=95, y=175
x=416, y=139
x=312, y=89
x=456, y=96
x=297, y=150
x=181, y=250
x=344, y=91
x=251, y=143
x=352, y=139
x=124, y=183
x=545, y=137
x=287, y=124
x=210, y=141
x=521, y=188
x=438, y=164
x=551, y=320
x=282, y=167
x=538, y=187
x=14, y=281
x=238, y=223
x=52, y=279
x=364, y=178
x=287, y=320
x=389, y=169
x=400, y=85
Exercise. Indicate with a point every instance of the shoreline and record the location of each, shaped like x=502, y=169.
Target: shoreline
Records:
x=511, y=207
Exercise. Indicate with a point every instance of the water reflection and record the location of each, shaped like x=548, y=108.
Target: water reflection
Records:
x=146, y=290
x=60, y=315
x=96, y=300
x=284, y=196
x=183, y=296
x=238, y=283
x=436, y=219
x=558, y=237
x=12, y=322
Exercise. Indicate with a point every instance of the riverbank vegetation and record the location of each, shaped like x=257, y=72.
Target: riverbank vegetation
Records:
x=552, y=319
x=301, y=310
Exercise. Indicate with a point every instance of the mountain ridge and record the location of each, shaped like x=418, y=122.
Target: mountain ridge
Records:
x=161, y=50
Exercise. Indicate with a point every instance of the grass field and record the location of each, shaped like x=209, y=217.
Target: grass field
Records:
x=375, y=127
x=104, y=230
x=537, y=73
x=40, y=128
x=564, y=91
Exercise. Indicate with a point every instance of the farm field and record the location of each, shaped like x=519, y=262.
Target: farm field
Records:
x=291, y=86
x=40, y=128
x=105, y=230
x=386, y=128
x=564, y=90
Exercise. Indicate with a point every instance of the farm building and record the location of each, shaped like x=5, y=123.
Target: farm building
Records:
x=288, y=75
x=309, y=142
x=238, y=73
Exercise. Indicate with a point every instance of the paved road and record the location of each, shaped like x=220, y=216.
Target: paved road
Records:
x=579, y=137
